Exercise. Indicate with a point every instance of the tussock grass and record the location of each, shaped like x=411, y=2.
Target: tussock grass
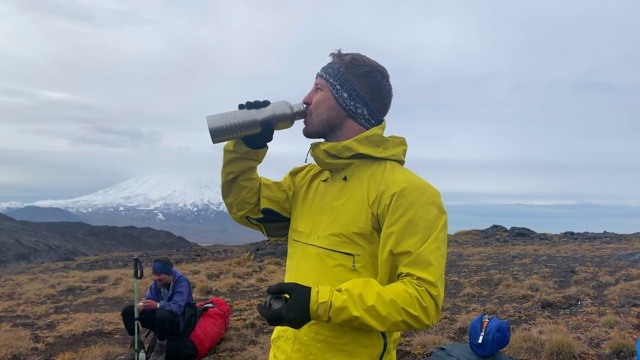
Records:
x=504, y=282
x=247, y=346
x=472, y=293
x=548, y=341
x=526, y=345
x=256, y=350
x=560, y=348
x=15, y=343
x=461, y=325
x=203, y=289
x=625, y=293
x=79, y=323
x=28, y=309
x=98, y=352
x=580, y=292
x=621, y=349
x=536, y=285
x=608, y=280
x=609, y=321
x=423, y=342
x=502, y=279
x=533, y=289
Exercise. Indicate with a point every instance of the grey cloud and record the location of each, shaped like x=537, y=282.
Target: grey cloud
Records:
x=606, y=87
x=10, y=92
x=33, y=175
x=75, y=11
x=532, y=101
x=29, y=175
x=116, y=137
x=81, y=13
x=23, y=100
x=100, y=136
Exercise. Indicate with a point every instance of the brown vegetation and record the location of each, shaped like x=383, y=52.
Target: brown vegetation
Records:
x=565, y=298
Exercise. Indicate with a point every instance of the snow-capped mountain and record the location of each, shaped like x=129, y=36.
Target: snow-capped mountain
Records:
x=148, y=193
x=189, y=207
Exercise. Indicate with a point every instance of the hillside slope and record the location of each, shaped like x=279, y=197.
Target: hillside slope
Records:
x=29, y=242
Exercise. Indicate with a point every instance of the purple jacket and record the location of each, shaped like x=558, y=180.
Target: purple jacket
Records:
x=178, y=296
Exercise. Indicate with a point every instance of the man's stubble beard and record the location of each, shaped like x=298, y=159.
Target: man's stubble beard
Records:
x=324, y=123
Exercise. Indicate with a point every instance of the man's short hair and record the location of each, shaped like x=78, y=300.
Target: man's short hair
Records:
x=371, y=78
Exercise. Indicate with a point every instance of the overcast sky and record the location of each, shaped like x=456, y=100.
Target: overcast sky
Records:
x=501, y=102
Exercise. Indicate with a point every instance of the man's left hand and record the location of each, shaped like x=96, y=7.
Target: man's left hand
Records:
x=295, y=312
x=149, y=304
x=260, y=140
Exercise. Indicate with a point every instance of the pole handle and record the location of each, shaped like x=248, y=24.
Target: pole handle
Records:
x=138, y=271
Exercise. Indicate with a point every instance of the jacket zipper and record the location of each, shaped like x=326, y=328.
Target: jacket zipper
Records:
x=353, y=256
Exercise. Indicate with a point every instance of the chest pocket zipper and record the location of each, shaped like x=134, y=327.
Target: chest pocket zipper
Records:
x=352, y=255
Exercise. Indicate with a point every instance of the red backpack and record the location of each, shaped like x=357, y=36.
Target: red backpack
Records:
x=213, y=321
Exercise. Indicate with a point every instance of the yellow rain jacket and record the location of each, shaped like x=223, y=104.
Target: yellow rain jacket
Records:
x=366, y=234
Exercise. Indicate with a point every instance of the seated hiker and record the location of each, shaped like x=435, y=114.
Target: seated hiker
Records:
x=162, y=310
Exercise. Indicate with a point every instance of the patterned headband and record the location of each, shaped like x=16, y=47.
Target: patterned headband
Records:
x=347, y=95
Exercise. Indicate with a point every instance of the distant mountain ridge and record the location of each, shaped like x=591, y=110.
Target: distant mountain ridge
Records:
x=31, y=242
x=192, y=208
x=38, y=214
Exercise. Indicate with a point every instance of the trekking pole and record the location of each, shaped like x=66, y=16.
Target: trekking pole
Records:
x=138, y=273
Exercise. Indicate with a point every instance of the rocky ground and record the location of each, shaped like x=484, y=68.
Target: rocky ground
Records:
x=582, y=286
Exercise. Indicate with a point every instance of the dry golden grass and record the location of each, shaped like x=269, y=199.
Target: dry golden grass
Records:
x=76, y=296
x=621, y=349
x=624, y=293
x=97, y=352
x=546, y=341
x=64, y=311
x=15, y=342
x=610, y=321
x=526, y=345
x=422, y=342
x=461, y=325
x=80, y=323
x=582, y=289
x=560, y=348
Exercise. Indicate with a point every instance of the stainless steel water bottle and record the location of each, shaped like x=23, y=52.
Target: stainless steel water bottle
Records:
x=240, y=123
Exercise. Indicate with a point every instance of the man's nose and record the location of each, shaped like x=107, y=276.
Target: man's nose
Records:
x=307, y=100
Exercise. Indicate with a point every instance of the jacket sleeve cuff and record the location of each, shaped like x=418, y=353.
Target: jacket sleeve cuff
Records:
x=240, y=147
x=320, y=304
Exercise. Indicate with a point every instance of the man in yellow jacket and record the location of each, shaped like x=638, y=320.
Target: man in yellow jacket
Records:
x=367, y=238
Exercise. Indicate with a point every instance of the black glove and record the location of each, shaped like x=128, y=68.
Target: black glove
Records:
x=261, y=139
x=256, y=104
x=295, y=312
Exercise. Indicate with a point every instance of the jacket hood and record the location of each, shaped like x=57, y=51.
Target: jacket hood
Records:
x=371, y=144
